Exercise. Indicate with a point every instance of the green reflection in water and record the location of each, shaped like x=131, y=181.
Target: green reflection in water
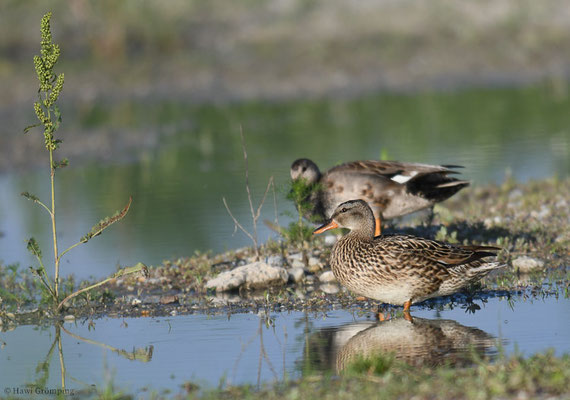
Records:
x=178, y=186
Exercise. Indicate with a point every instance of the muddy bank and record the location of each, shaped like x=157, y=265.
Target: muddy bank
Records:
x=529, y=221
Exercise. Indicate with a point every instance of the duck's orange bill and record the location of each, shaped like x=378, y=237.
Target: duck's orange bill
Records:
x=325, y=227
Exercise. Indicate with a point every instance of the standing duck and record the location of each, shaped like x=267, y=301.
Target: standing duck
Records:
x=400, y=269
x=391, y=188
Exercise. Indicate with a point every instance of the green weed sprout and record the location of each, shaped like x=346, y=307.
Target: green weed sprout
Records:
x=49, y=118
x=300, y=193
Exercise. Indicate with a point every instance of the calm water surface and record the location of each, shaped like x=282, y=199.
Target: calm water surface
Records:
x=178, y=186
x=249, y=348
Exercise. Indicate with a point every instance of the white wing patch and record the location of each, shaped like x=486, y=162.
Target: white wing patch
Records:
x=404, y=178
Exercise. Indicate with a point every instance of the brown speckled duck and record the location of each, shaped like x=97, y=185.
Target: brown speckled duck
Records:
x=421, y=342
x=399, y=269
x=391, y=188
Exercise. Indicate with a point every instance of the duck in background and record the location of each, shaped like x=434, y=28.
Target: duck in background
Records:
x=391, y=188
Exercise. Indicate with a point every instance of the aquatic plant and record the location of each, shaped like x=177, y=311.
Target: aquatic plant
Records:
x=49, y=117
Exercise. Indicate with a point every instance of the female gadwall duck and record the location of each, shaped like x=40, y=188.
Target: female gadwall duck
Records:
x=390, y=188
x=429, y=342
x=400, y=269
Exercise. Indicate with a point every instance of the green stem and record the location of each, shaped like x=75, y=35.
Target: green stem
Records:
x=61, y=362
x=121, y=272
x=53, y=226
x=44, y=206
x=69, y=248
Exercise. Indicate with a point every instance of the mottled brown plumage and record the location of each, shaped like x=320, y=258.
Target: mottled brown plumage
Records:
x=391, y=188
x=423, y=342
x=400, y=269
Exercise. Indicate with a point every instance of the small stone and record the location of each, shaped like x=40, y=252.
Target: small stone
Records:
x=275, y=260
x=256, y=275
x=314, y=261
x=296, y=275
x=330, y=240
x=69, y=318
x=562, y=204
x=297, y=264
x=515, y=194
x=136, y=302
x=295, y=256
x=313, y=269
x=168, y=299
x=329, y=288
x=526, y=264
x=327, y=277
x=310, y=279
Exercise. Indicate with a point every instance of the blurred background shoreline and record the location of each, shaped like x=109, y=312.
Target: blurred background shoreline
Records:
x=220, y=52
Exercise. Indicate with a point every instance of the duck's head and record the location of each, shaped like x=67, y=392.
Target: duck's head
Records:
x=306, y=169
x=355, y=215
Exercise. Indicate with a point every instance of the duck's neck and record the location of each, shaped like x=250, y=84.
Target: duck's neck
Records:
x=364, y=233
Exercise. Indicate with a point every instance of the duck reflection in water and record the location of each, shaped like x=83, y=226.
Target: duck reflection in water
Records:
x=418, y=342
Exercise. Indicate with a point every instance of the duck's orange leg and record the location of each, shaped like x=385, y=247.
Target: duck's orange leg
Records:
x=407, y=315
x=381, y=316
x=378, y=228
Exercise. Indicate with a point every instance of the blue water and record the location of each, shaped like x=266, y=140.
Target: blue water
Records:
x=213, y=349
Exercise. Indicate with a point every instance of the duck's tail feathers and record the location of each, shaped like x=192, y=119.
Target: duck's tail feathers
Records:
x=486, y=267
x=453, y=184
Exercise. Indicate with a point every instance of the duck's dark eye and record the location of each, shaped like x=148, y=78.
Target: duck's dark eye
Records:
x=304, y=169
x=343, y=210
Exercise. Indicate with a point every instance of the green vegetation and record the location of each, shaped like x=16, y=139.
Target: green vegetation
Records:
x=300, y=194
x=49, y=118
x=515, y=377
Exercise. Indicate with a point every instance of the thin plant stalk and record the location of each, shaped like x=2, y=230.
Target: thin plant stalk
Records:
x=53, y=225
x=255, y=214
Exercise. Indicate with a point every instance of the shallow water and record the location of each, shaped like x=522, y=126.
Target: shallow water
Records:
x=178, y=186
x=249, y=348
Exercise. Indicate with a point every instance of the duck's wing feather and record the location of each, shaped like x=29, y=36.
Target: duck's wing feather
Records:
x=395, y=170
x=434, y=250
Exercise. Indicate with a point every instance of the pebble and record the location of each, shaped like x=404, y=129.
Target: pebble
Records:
x=330, y=240
x=314, y=261
x=168, y=299
x=295, y=256
x=256, y=275
x=313, y=269
x=136, y=302
x=327, y=277
x=296, y=275
x=526, y=264
x=540, y=214
x=69, y=318
x=297, y=264
x=275, y=261
x=515, y=194
x=329, y=288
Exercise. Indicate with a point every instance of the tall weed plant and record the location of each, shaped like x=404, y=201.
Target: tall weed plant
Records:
x=49, y=116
